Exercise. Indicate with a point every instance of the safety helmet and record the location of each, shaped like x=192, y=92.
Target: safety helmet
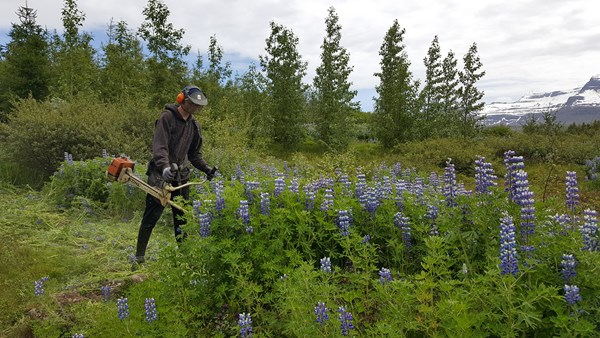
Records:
x=193, y=94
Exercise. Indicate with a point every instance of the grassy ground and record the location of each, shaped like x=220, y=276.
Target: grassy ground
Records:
x=79, y=252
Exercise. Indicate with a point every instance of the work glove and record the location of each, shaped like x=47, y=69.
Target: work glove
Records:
x=167, y=174
x=211, y=174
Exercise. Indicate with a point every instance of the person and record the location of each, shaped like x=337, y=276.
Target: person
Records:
x=177, y=140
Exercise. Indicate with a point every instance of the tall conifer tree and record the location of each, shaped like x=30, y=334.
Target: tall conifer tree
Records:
x=450, y=91
x=168, y=70
x=431, y=95
x=470, y=96
x=123, y=72
x=26, y=61
x=284, y=69
x=74, y=66
x=393, y=119
x=332, y=97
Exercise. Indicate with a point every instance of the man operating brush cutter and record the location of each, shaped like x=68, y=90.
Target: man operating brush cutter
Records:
x=177, y=142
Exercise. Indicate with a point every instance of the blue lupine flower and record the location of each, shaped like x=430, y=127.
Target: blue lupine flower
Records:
x=508, y=251
x=572, y=190
x=265, y=203
x=343, y=221
x=404, y=225
x=327, y=200
x=239, y=173
x=484, y=176
x=321, y=313
x=589, y=230
x=385, y=189
x=39, y=286
x=366, y=239
x=572, y=294
x=123, y=308
x=243, y=212
x=105, y=292
x=450, y=184
x=245, y=323
x=279, y=186
x=385, y=275
x=78, y=335
x=219, y=199
x=360, y=188
x=346, y=185
x=513, y=164
x=417, y=189
x=397, y=169
x=326, y=264
x=568, y=265
x=68, y=158
x=345, y=320
x=104, y=153
x=431, y=214
x=249, y=229
x=196, y=207
x=294, y=186
x=309, y=191
x=372, y=201
x=523, y=196
x=434, y=182
x=150, y=309
x=204, y=220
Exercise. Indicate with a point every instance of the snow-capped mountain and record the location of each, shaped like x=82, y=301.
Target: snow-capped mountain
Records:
x=576, y=105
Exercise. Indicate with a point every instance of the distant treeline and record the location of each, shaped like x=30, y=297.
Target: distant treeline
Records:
x=147, y=66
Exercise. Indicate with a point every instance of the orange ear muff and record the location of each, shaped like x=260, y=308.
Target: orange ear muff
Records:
x=180, y=98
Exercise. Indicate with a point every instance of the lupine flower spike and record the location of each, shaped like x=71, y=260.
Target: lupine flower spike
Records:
x=321, y=313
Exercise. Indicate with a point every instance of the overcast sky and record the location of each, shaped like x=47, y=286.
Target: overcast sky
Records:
x=525, y=45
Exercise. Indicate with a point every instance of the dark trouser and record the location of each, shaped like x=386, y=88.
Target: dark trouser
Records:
x=151, y=215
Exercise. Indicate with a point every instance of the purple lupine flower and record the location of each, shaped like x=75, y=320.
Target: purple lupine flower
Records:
x=219, y=196
x=360, y=188
x=326, y=264
x=589, y=230
x=204, y=221
x=524, y=197
x=572, y=191
x=346, y=185
x=397, y=169
x=385, y=190
x=123, y=308
x=279, y=186
x=366, y=239
x=39, y=286
x=243, y=212
x=484, y=177
x=78, y=335
x=431, y=214
x=68, y=158
x=150, y=309
x=327, y=200
x=196, y=207
x=343, y=221
x=265, y=203
x=564, y=221
x=568, y=265
x=105, y=292
x=508, y=252
x=385, y=275
x=104, y=153
x=434, y=182
x=345, y=320
x=450, y=184
x=249, y=229
x=372, y=202
x=321, y=313
x=239, y=174
x=404, y=225
x=572, y=294
x=245, y=323
x=513, y=164
x=294, y=186
x=310, y=197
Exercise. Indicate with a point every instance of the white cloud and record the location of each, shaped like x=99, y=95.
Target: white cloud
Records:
x=535, y=45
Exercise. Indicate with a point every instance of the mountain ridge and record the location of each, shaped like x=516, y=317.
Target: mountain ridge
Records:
x=577, y=105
